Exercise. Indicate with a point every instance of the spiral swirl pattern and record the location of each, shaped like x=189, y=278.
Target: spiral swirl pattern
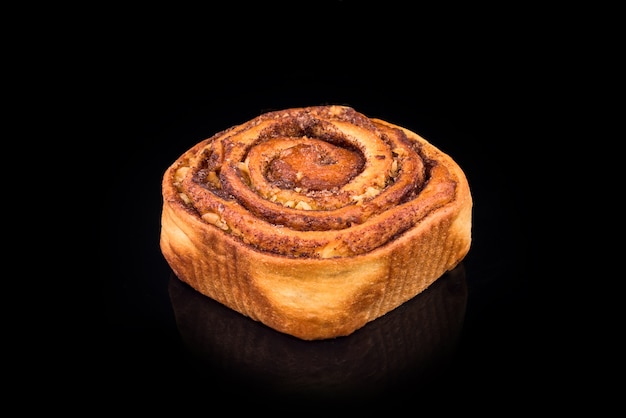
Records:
x=316, y=182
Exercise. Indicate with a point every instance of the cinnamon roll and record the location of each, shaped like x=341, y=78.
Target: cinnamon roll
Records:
x=314, y=221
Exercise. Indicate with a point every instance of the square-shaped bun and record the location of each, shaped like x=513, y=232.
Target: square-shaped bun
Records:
x=316, y=220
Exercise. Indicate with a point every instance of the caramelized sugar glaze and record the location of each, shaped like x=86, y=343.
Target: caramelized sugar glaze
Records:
x=315, y=182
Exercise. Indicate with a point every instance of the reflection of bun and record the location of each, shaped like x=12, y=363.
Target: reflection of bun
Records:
x=409, y=344
x=314, y=221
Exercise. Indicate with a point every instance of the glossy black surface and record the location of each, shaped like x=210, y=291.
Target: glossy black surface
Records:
x=465, y=338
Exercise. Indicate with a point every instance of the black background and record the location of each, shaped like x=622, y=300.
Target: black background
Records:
x=467, y=88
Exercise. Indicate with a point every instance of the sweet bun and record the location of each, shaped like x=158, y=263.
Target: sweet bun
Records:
x=315, y=220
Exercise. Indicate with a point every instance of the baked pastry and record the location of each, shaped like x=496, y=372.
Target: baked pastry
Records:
x=314, y=220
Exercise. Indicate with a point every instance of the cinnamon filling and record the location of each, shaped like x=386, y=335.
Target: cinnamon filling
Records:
x=316, y=182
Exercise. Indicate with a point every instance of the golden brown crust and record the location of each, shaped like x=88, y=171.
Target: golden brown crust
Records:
x=314, y=254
